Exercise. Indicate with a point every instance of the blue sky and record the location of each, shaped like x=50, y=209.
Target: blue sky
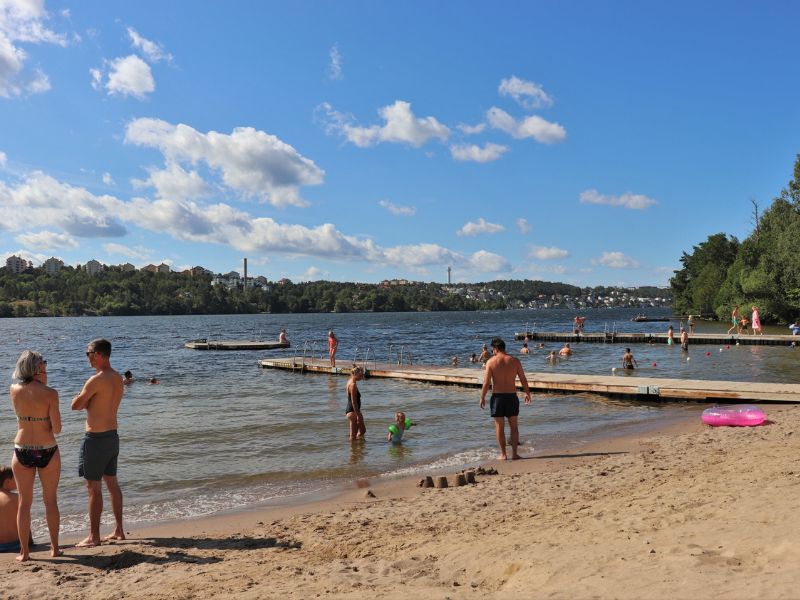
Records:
x=586, y=142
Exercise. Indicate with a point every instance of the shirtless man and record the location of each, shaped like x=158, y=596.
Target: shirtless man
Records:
x=9, y=538
x=502, y=371
x=684, y=340
x=628, y=360
x=100, y=396
x=565, y=351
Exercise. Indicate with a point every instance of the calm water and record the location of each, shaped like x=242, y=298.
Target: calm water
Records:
x=221, y=433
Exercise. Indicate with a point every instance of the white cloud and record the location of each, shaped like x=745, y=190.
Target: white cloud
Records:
x=152, y=51
x=402, y=211
x=129, y=76
x=616, y=260
x=97, y=78
x=471, y=152
x=335, y=66
x=547, y=253
x=400, y=126
x=628, y=200
x=174, y=182
x=523, y=226
x=74, y=210
x=530, y=127
x=107, y=179
x=3, y=159
x=472, y=228
x=488, y=262
x=138, y=253
x=471, y=129
x=312, y=273
x=23, y=22
x=251, y=162
x=525, y=93
x=47, y=240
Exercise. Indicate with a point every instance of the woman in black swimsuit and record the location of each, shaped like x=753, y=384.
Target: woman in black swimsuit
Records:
x=353, y=410
x=35, y=448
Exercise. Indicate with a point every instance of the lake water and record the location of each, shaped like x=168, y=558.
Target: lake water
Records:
x=221, y=433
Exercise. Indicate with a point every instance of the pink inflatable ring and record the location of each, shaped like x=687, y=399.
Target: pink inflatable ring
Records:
x=739, y=415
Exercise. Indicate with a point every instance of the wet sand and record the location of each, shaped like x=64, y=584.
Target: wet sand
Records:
x=685, y=512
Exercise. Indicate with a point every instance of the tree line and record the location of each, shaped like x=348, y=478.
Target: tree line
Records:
x=762, y=270
x=73, y=292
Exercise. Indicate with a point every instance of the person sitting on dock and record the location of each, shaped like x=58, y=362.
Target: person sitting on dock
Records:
x=684, y=340
x=795, y=328
x=566, y=350
x=128, y=378
x=282, y=337
x=524, y=349
x=628, y=361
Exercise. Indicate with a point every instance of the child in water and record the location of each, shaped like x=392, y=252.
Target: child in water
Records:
x=398, y=428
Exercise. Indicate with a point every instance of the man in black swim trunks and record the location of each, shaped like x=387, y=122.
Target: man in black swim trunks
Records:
x=502, y=371
x=101, y=396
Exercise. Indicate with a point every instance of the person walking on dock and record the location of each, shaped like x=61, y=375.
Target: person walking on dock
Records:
x=755, y=322
x=100, y=397
x=333, y=345
x=734, y=319
x=502, y=371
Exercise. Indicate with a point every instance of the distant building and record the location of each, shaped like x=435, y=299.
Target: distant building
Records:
x=284, y=281
x=53, y=265
x=150, y=268
x=127, y=268
x=94, y=267
x=16, y=265
x=196, y=271
x=163, y=268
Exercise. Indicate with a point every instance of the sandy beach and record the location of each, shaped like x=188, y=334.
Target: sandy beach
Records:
x=686, y=512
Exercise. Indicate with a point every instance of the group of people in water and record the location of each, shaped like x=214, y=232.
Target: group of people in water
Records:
x=36, y=451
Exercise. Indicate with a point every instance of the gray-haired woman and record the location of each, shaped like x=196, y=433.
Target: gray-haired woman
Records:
x=35, y=448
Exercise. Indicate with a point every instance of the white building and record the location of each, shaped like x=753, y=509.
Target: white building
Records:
x=94, y=267
x=53, y=265
x=16, y=265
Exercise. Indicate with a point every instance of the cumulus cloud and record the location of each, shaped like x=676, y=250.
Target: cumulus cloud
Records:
x=470, y=152
x=471, y=129
x=400, y=126
x=127, y=76
x=472, y=228
x=523, y=226
x=23, y=22
x=530, y=127
x=527, y=94
x=627, y=200
x=72, y=209
x=615, y=260
x=335, y=66
x=251, y=162
x=313, y=273
x=138, y=253
x=488, y=262
x=401, y=211
x=547, y=253
x=47, y=240
x=153, y=51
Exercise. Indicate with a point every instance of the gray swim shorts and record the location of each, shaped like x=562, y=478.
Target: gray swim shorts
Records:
x=98, y=455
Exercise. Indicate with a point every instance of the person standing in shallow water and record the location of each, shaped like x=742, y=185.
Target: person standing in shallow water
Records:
x=353, y=410
x=502, y=371
x=100, y=397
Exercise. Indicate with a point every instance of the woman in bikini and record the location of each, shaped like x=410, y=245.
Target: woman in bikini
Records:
x=353, y=410
x=35, y=448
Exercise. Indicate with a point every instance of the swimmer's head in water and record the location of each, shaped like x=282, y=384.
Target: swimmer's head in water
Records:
x=128, y=375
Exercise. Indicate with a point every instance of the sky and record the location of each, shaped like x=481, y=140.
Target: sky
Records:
x=584, y=142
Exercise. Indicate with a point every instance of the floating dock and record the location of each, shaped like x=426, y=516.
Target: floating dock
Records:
x=234, y=345
x=717, y=339
x=624, y=385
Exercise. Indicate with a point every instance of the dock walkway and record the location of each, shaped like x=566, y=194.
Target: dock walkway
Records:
x=234, y=345
x=718, y=339
x=623, y=385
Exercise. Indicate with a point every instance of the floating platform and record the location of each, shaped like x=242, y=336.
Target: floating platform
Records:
x=717, y=339
x=624, y=385
x=234, y=345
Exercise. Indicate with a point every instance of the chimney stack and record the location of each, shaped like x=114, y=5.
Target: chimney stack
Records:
x=245, y=273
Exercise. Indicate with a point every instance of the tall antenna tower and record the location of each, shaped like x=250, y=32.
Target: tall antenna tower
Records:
x=449, y=272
